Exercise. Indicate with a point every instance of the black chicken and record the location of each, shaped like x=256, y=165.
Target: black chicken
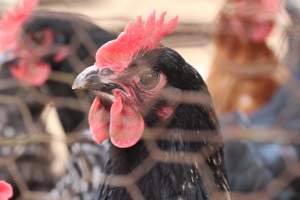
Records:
x=59, y=40
x=37, y=48
x=83, y=174
x=137, y=83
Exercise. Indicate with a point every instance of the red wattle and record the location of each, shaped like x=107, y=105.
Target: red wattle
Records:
x=123, y=124
x=126, y=124
x=35, y=74
x=98, y=121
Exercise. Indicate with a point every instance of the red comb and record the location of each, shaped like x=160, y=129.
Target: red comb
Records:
x=12, y=20
x=137, y=36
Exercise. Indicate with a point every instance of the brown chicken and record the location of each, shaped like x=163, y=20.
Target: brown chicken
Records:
x=244, y=73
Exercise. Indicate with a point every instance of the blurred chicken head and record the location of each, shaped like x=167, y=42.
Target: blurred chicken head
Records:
x=23, y=51
x=251, y=20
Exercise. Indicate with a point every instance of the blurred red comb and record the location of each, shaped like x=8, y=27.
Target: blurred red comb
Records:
x=137, y=36
x=12, y=20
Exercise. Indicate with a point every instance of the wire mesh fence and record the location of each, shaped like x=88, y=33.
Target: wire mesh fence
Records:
x=47, y=151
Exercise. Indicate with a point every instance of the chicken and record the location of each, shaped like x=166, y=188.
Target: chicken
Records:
x=83, y=174
x=47, y=45
x=132, y=78
x=37, y=48
x=244, y=65
x=250, y=94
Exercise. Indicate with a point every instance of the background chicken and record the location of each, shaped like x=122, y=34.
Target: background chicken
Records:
x=131, y=78
x=250, y=93
x=292, y=57
x=244, y=66
x=49, y=40
x=38, y=50
x=84, y=171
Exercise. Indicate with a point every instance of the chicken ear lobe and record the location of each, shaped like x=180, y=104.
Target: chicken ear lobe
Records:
x=126, y=124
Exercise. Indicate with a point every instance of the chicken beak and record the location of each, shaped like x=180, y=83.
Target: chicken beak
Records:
x=92, y=79
x=86, y=78
x=6, y=58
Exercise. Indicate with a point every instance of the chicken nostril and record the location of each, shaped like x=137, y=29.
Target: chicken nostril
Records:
x=106, y=72
x=112, y=86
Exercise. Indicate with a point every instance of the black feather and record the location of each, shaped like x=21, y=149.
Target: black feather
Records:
x=34, y=160
x=169, y=180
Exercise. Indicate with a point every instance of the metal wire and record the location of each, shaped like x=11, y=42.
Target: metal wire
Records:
x=13, y=144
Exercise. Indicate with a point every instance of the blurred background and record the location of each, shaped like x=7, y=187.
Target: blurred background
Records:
x=46, y=156
x=193, y=38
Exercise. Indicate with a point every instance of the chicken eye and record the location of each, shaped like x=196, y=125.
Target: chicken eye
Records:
x=43, y=37
x=149, y=79
x=38, y=37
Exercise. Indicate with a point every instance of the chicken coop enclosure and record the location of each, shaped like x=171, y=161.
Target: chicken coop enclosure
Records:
x=232, y=134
